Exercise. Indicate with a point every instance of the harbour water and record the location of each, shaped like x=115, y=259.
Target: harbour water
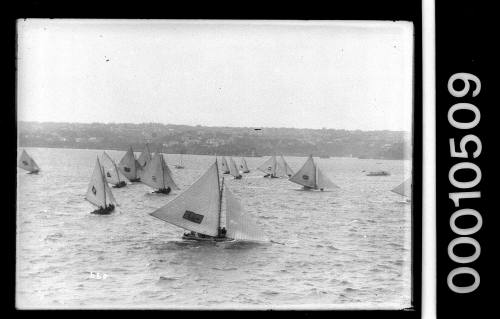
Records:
x=348, y=248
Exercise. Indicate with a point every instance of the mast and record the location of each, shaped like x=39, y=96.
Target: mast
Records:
x=220, y=195
x=162, y=170
x=103, y=181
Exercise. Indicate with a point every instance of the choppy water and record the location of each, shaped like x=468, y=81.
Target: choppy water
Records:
x=346, y=248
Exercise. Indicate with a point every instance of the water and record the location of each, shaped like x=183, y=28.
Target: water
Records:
x=345, y=248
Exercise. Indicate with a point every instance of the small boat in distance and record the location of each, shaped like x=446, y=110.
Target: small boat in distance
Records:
x=199, y=210
x=311, y=177
x=404, y=189
x=233, y=170
x=158, y=176
x=99, y=193
x=224, y=166
x=244, y=166
x=378, y=173
x=272, y=168
x=111, y=172
x=179, y=165
x=27, y=163
x=129, y=166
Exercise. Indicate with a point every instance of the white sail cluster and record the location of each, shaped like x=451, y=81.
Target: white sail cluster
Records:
x=27, y=163
x=276, y=168
x=98, y=191
x=199, y=207
x=111, y=172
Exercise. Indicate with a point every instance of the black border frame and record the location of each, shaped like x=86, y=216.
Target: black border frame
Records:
x=391, y=10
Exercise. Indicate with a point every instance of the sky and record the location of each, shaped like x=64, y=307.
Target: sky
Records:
x=301, y=74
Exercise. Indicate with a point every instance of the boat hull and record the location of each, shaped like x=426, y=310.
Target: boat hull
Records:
x=104, y=211
x=120, y=185
x=206, y=239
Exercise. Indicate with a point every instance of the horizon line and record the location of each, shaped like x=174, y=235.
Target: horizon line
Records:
x=211, y=126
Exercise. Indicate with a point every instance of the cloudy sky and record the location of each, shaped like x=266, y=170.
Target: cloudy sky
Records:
x=308, y=74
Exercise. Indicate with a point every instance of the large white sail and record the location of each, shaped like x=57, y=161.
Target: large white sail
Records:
x=240, y=225
x=197, y=208
x=27, y=163
x=128, y=165
x=288, y=170
x=96, y=192
x=403, y=188
x=111, y=172
x=157, y=174
x=269, y=166
x=306, y=175
x=244, y=166
x=145, y=156
x=322, y=181
x=224, y=165
x=233, y=170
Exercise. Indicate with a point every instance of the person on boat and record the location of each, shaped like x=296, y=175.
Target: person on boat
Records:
x=223, y=232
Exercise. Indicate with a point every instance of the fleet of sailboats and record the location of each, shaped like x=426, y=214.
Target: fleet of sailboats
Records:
x=99, y=193
x=311, y=177
x=129, y=166
x=272, y=168
x=27, y=163
x=111, y=172
x=199, y=210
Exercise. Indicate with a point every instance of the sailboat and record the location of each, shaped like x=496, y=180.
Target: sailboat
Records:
x=272, y=168
x=404, y=189
x=129, y=166
x=244, y=166
x=199, y=210
x=27, y=163
x=145, y=157
x=179, y=165
x=233, y=169
x=224, y=166
x=311, y=177
x=288, y=170
x=158, y=175
x=111, y=172
x=99, y=193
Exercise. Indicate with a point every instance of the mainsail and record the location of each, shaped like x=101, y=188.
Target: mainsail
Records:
x=111, y=172
x=239, y=225
x=322, y=181
x=233, y=170
x=197, y=208
x=224, y=166
x=98, y=192
x=157, y=174
x=128, y=165
x=27, y=163
x=403, y=188
x=306, y=176
x=145, y=156
x=244, y=166
x=288, y=170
